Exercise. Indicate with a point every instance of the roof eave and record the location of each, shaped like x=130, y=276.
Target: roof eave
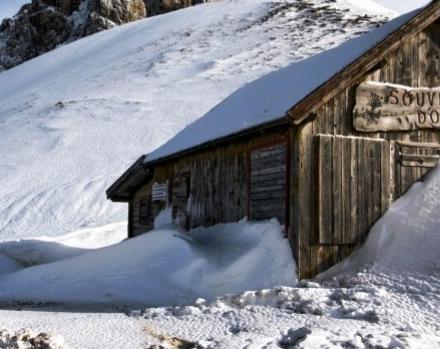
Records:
x=123, y=188
x=281, y=121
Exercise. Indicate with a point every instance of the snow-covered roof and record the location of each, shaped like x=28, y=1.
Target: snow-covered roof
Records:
x=269, y=98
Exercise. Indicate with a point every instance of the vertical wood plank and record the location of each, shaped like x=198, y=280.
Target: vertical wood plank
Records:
x=337, y=189
x=321, y=121
x=385, y=177
x=337, y=114
x=346, y=189
x=422, y=54
x=354, y=187
x=361, y=169
x=325, y=184
x=369, y=185
x=305, y=190
x=432, y=69
x=314, y=192
x=392, y=62
x=294, y=197
x=329, y=117
x=377, y=197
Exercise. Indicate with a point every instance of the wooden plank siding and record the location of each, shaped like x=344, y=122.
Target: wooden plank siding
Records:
x=220, y=181
x=414, y=63
x=337, y=222
x=268, y=182
x=138, y=225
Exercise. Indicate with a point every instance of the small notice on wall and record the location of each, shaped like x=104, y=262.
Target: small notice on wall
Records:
x=388, y=107
x=160, y=192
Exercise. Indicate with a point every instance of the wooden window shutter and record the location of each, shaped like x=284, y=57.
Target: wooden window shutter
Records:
x=413, y=161
x=268, y=181
x=180, y=196
x=145, y=216
x=353, y=188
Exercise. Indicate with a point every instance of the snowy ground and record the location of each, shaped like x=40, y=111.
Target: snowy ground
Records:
x=385, y=296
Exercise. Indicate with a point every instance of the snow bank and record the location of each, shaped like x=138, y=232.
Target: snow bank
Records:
x=7, y=264
x=18, y=254
x=407, y=238
x=163, y=267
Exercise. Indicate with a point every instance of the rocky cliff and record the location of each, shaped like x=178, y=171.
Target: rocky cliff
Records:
x=42, y=25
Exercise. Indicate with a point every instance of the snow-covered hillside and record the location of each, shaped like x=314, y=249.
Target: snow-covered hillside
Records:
x=71, y=121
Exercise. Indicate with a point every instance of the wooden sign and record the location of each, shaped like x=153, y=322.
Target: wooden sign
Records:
x=388, y=107
x=159, y=192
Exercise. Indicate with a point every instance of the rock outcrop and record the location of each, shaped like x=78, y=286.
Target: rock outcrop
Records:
x=45, y=24
x=155, y=7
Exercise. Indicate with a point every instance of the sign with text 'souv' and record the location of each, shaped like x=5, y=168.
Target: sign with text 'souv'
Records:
x=388, y=107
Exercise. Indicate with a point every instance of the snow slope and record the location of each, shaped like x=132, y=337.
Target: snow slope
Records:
x=72, y=120
x=405, y=241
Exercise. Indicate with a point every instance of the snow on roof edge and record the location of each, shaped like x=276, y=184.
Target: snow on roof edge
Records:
x=257, y=103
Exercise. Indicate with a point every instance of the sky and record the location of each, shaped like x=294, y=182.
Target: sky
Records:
x=8, y=8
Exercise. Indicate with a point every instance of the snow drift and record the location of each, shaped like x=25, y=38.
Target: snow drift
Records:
x=162, y=267
x=406, y=239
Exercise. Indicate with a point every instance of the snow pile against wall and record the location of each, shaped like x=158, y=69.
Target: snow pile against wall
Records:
x=407, y=238
x=163, y=267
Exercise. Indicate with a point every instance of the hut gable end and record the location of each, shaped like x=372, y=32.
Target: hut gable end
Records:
x=348, y=178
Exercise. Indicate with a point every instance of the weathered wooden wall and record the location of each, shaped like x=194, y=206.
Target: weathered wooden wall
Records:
x=415, y=63
x=352, y=186
x=219, y=183
x=136, y=224
x=269, y=171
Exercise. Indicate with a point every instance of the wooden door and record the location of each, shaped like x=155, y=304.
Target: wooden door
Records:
x=353, y=187
x=268, y=183
x=180, y=196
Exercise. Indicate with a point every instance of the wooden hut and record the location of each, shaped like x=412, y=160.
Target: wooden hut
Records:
x=324, y=145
